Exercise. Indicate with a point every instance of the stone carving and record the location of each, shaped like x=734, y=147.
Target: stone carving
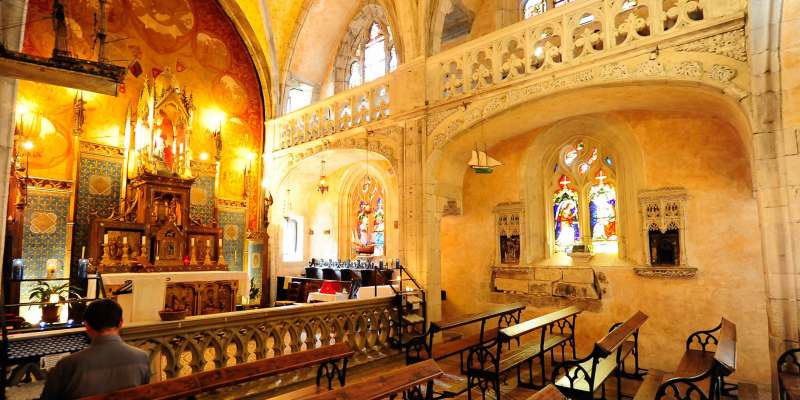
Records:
x=508, y=235
x=367, y=325
x=651, y=68
x=666, y=272
x=722, y=73
x=436, y=118
x=663, y=210
x=689, y=69
x=729, y=44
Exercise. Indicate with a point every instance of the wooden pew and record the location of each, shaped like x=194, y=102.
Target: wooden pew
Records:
x=422, y=347
x=584, y=376
x=328, y=358
x=701, y=372
x=486, y=363
x=789, y=375
x=548, y=393
x=407, y=381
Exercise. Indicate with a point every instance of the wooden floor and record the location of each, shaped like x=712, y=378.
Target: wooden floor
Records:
x=508, y=389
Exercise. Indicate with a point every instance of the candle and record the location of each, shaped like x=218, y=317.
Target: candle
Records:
x=144, y=240
x=105, y=239
x=220, y=242
x=124, y=240
x=83, y=252
x=192, y=241
x=208, y=243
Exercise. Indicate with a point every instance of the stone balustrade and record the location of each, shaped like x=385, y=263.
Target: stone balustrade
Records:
x=575, y=34
x=200, y=343
x=349, y=109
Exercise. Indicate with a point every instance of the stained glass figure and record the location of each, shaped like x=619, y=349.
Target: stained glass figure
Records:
x=565, y=216
x=603, y=215
x=534, y=7
x=369, y=215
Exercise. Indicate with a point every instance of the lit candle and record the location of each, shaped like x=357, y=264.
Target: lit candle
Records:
x=144, y=240
x=125, y=240
x=220, y=243
x=105, y=239
x=208, y=243
x=192, y=241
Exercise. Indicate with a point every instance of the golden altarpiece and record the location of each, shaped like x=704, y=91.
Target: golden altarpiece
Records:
x=153, y=231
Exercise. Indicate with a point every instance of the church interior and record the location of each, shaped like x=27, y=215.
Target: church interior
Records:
x=362, y=199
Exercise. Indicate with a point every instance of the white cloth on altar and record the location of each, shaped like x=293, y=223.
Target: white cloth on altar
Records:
x=150, y=289
x=326, y=297
x=368, y=292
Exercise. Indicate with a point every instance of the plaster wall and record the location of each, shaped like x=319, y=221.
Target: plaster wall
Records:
x=703, y=155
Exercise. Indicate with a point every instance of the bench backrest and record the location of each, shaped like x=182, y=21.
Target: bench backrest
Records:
x=179, y=388
x=726, y=347
x=477, y=317
x=610, y=342
x=383, y=385
x=530, y=325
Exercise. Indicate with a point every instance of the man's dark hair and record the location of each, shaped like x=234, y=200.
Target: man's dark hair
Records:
x=103, y=314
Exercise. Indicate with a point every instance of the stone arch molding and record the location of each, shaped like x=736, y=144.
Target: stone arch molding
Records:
x=728, y=76
x=616, y=138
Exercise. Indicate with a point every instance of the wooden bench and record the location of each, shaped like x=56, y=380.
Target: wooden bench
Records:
x=407, y=380
x=548, y=393
x=486, y=363
x=422, y=347
x=328, y=358
x=701, y=372
x=789, y=375
x=584, y=376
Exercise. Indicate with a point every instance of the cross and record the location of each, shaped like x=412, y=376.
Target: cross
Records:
x=601, y=177
x=564, y=182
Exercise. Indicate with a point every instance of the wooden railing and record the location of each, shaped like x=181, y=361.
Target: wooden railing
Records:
x=346, y=110
x=203, y=343
x=568, y=36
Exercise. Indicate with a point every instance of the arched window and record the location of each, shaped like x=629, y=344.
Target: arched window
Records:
x=584, y=199
x=531, y=8
x=368, y=208
x=374, y=56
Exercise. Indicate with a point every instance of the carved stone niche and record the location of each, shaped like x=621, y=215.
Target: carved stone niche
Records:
x=664, y=233
x=508, y=237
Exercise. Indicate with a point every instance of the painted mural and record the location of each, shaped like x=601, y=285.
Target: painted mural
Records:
x=192, y=39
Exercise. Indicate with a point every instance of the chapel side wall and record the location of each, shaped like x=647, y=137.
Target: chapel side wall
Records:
x=703, y=155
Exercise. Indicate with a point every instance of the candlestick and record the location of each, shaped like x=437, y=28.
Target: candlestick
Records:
x=106, y=260
x=207, y=259
x=192, y=254
x=220, y=254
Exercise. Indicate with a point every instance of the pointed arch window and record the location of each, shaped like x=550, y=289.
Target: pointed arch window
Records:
x=375, y=55
x=584, y=199
x=532, y=8
x=368, y=208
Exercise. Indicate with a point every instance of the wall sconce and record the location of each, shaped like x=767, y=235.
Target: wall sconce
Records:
x=322, y=186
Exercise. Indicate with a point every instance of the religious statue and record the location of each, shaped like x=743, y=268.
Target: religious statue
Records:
x=60, y=48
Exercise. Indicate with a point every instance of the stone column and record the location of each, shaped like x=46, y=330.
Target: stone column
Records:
x=12, y=15
x=775, y=122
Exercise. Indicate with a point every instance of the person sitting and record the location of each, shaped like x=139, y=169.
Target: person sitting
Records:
x=107, y=365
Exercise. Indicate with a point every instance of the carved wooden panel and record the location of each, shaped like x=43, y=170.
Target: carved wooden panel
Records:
x=201, y=298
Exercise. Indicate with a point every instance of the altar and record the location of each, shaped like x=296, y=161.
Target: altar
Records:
x=206, y=292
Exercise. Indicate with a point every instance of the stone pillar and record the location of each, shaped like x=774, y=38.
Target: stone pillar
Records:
x=12, y=15
x=775, y=122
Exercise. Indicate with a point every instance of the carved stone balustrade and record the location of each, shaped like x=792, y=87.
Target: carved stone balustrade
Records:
x=180, y=348
x=346, y=110
x=572, y=35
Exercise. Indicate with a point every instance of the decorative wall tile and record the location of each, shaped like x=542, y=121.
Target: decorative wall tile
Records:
x=202, y=199
x=45, y=233
x=232, y=222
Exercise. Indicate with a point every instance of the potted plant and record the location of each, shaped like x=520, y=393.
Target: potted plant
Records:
x=254, y=290
x=43, y=292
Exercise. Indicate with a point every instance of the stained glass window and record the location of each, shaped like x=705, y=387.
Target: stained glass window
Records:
x=584, y=187
x=369, y=214
x=565, y=216
x=603, y=215
x=533, y=7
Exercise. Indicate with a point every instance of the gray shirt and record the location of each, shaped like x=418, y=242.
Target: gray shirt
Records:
x=107, y=365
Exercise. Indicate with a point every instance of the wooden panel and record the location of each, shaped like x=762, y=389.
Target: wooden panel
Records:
x=536, y=323
x=468, y=319
x=548, y=393
x=453, y=347
x=791, y=383
x=385, y=384
x=648, y=389
x=726, y=348
x=615, y=338
x=695, y=362
x=209, y=380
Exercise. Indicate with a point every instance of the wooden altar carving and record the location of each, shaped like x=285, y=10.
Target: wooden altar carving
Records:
x=202, y=298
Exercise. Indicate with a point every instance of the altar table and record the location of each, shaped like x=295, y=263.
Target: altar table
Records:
x=326, y=297
x=149, y=289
